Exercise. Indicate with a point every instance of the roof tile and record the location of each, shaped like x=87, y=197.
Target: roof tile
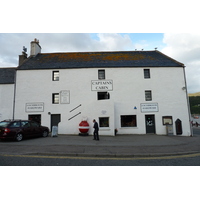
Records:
x=99, y=59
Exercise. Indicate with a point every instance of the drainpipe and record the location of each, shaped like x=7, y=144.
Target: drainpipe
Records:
x=15, y=78
x=189, y=112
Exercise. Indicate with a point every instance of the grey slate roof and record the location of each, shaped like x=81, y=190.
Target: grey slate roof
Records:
x=7, y=75
x=99, y=59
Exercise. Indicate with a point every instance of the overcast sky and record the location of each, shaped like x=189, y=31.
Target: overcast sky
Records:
x=184, y=48
x=171, y=26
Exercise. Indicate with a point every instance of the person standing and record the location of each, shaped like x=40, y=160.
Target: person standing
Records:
x=96, y=130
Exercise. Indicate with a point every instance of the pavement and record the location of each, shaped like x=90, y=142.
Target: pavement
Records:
x=107, y=146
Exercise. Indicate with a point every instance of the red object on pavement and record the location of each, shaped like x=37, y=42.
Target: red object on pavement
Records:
x=84, y=127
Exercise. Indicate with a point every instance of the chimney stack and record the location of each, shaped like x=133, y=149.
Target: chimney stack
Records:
x=22, y=57
x=35, y=47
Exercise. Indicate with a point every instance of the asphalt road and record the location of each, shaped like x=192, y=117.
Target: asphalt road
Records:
x=37, y=160
x=20, y=154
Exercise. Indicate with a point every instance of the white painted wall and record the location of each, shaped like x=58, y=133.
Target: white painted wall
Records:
x=6, y=101
x=128, y=91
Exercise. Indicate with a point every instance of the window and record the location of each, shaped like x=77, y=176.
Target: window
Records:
x=55, y=75
x=128, y=121
x=148, y=95
x=35, y=118
x=34, y=124
x=146, y=73
x=15, y=125
x=103, y=95
x=167, y=120
x=101, y=74
x=104, y=122
x=55, y=98
x=25, y=124
x=4, y=124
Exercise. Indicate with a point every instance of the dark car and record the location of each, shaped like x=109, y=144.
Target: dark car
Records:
x=19, y=129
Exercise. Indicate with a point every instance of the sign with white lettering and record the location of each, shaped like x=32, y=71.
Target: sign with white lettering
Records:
x=149, y=107
x=64, y=97
x=34, y=107
x=102, y=85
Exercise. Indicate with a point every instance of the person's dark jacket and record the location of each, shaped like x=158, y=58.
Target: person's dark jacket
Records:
x=96, y=127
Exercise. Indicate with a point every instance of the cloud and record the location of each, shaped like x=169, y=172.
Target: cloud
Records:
x=12, y=44
x=114, y=41
x=185, y=48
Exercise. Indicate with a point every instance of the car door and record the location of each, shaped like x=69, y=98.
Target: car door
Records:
x=36, y=128
x=27, y=129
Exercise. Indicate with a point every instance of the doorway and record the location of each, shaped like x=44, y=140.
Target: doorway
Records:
x=55, y=119
x=36, y=118
x=150, y=123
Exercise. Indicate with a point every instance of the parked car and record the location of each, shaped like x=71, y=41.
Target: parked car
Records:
x=20, y=129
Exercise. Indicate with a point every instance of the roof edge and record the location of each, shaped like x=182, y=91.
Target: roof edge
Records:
x=95, y=52
x=171, y=58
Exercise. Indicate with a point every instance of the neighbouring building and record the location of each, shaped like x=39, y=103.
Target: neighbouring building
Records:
x=7, y=80
x=133, y=92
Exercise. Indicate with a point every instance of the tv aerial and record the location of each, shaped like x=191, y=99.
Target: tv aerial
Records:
x=24, y=49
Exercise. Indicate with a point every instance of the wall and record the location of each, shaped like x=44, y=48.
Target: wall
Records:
x=127, y=94
x=6, y=101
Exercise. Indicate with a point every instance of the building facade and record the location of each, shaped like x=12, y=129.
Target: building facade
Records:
x=7, y=89
x=128, y=92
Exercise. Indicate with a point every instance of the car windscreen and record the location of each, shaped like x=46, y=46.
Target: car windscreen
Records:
x=4, y=124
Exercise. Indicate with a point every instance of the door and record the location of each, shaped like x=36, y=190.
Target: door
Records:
x=55, y=119
x=150, y=124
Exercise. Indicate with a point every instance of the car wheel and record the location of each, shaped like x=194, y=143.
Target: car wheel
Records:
x=45, y=134
x=19, y=137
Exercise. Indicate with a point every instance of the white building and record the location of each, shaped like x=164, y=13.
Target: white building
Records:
x=135, y=92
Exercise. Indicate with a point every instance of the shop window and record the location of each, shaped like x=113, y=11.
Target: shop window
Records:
x=128, y=121
x=55, y=98
x=104, y=122
x=148, y=95
x=55, y=76
x=167, y=120
x=101, y=74
x=146, y=73
x=103, y=95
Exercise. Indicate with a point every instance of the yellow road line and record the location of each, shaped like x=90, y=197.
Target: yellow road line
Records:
x=105, y=158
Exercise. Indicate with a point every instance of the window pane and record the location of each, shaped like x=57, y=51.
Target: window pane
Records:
x=55, y=99
x=101, y=74
x=103, y=95
x=34, y=124
x=148, y=95
x=128, y=121
x=15, y=125
x=146, y=73
x=4, y=124
x=55, y=75
x=25, y=124
x=104, y=122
